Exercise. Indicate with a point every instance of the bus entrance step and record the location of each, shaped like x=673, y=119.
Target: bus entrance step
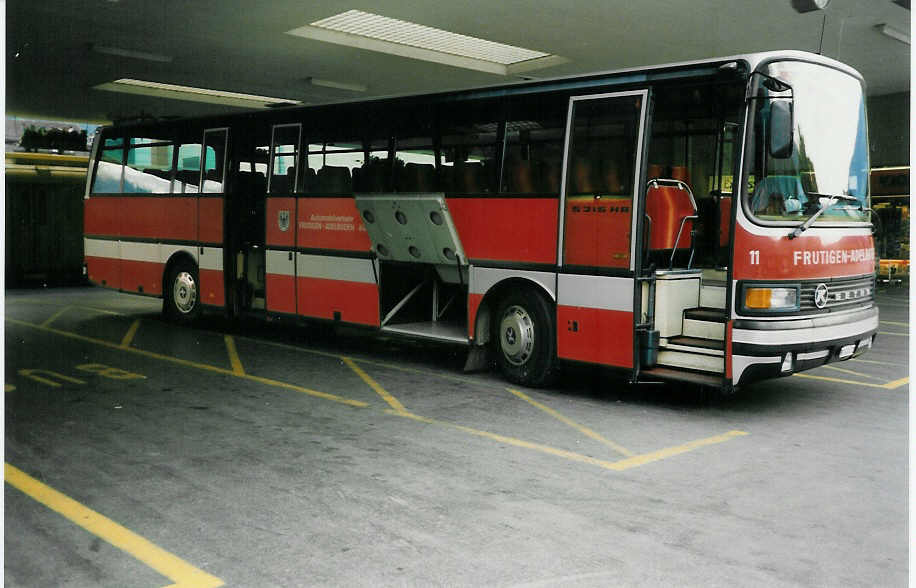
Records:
x=716, y=315
x=662, y=373
x=700, y=345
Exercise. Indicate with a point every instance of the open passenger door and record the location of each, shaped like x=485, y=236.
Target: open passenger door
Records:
x=596, y=302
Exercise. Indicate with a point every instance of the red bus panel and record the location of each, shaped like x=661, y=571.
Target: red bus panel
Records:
x=356, y=302
x=101, y=216
x=595, y=335
x=330, y=223
x=507, y=229
x=105, y=271
x=825, y=254
x=281, y=213
x=141, y=276
x=210, y=212
x=597, y=231
x=168, y=218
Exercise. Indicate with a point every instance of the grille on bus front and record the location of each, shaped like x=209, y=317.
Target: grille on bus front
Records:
x=841, y=293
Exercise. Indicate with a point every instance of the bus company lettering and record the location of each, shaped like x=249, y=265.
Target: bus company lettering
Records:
x=833, y=256
x=318, y=222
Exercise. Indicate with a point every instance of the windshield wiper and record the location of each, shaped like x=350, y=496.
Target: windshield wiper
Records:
x=834, y=199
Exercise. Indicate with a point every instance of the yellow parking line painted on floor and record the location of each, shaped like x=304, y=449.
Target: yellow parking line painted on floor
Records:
x=194, y=364
x=8, y=387
x=895, y=323
x=643, y=459
x=55, y=316
x=852, y=372
x=129, y=335
x=10, y=301
x=620, y=465
x=165, y=563
x=33, y=374
x=886, y=386
x=897, y=383
x=887, y=363
x=399, y=410
x=391, y=400
x=563, y=419
x=234, y=360
x=893, y=334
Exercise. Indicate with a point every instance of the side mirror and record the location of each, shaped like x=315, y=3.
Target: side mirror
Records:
x=781, y=129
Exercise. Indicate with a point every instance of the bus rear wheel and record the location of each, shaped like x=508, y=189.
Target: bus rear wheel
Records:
x=181, y=300
x=525, y=341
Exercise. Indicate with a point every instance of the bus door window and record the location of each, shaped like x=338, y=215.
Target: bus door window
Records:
x=534, y=145
x=600, y=179
x=187, y=173
x=693, y=140
x=284, y=156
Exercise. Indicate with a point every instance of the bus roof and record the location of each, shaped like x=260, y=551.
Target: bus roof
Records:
x=624, y=76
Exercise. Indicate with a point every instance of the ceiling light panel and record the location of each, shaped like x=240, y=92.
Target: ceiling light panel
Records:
x=374, y=32
x=192, y=94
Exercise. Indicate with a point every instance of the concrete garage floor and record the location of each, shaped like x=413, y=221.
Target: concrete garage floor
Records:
x=144, y=454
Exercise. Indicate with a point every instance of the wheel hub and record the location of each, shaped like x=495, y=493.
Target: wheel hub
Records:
x=184, y=292
x=516, y=335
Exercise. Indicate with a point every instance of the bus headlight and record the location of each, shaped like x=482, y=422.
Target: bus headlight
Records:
x=766, y=298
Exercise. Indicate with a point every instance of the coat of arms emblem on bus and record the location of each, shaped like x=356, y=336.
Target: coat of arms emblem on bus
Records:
x=283, y=220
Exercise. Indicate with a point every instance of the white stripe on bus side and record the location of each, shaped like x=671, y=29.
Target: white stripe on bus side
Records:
x=349, y=269
x=484, y=278
x=210, y=259
x=279, y=263
x=604, y=292
x=101, y=248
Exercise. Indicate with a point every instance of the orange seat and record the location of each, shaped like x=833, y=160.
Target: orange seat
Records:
x=668, y=204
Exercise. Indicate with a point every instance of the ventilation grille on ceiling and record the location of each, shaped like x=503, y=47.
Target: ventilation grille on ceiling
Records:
x=374, y=32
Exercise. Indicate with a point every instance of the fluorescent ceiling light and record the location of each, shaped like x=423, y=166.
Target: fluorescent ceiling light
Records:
x=337, y=85
x=893, y=33
x=374, y=32
x=131, y=53
x=192, y=94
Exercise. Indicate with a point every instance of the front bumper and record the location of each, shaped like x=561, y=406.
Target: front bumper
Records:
x=768, y=349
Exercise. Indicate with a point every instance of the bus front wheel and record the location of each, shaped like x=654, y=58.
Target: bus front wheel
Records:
x=181, y=300
x=525, y=339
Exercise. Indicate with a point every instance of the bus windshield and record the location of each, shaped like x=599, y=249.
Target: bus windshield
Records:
x=828, y=166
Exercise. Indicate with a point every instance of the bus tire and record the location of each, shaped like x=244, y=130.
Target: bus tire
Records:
x=525, y=339
x=181, y=295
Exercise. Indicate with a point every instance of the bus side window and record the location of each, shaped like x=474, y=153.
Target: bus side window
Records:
x=108, y=173
x=374, y=175
x=214, y=169
x=333, y=164
x=415, y=166
x=284, y=157
x=468, y=160
x=149, y=166
x=534, y=146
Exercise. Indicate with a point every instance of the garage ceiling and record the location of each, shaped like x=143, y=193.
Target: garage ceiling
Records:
x=242, y=46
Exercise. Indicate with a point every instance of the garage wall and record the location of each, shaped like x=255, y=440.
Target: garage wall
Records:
x=889, y=129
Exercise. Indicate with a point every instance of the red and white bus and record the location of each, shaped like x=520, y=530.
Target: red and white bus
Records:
x=705, y=222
